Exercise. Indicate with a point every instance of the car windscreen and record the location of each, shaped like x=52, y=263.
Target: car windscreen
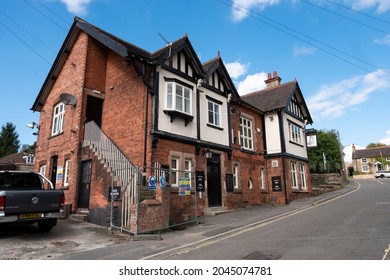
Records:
x=12, y=181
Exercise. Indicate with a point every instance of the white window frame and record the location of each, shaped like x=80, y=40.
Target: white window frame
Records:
x=179, y=98
x=302, y=173
x=294, y=179
x=66, y=172
x=42, y=170
x=188, y=169
x=364, y=160
x=214, y=113
x=235, y=176
x=174, y=177
x=58, y=119
x=295, y=133
x=246, y=133
x=262, y=179
x=365, y=168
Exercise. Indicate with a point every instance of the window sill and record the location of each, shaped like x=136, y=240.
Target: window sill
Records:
x=56, y=135
x=214, y=126
x=295, y=143
x=173, y=114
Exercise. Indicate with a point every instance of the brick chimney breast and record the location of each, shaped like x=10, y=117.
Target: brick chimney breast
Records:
x=274, y=81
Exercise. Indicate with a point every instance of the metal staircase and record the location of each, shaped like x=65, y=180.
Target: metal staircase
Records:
x=123, y=172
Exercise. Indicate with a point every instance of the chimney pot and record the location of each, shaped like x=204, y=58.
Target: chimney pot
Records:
x=269, y=76
x=275, y=74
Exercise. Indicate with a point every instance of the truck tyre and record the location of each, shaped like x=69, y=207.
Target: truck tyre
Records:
x=46, y=225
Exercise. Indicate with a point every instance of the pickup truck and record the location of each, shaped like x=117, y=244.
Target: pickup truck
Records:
x=28, y=197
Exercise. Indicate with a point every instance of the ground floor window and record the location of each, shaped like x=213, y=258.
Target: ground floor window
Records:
x=235, y=176
x=365, y=168
x=181, y=166
x=302, y=174
x=262, y=179
x=293, y=169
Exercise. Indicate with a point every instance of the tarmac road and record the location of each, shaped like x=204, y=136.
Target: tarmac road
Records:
x=84, y=241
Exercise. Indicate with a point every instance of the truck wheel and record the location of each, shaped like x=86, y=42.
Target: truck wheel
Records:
x=47, y=225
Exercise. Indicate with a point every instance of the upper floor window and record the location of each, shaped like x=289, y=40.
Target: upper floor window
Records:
x=179, y=97
x=214, y=112
x=58, y=119
x=295, y=133
x=364, y=160
x=246, y=135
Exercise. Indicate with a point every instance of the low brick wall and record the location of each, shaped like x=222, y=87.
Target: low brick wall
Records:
x=326, y=182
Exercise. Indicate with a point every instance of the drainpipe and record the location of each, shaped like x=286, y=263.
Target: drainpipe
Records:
x=283, y=143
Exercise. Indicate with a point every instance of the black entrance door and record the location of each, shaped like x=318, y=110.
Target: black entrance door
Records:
x=85, y=184
x=214, y=181
x=53, y=172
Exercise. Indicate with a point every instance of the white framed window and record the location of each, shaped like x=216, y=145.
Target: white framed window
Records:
x=214, y=113
x=365, y=168
x=235, y=176
x=245, y=133
x=295, y=133
x=364, y=160
x=30, y=159
x=58, y=119
x=187, y=169
x=293, y=170
x=250, y=183
x=42, y=169
x=302, y=174
x=179, y=97
x=262, y=179
x=174, y=178
x=66, y=173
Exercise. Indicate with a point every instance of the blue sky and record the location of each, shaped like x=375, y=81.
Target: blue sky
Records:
x=338, y=50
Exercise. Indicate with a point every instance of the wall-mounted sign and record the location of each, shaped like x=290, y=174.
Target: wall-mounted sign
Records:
x=200, y=187
x=276, y=184
x=114, y=193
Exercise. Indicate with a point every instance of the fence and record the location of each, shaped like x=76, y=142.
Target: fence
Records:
x=161, y=199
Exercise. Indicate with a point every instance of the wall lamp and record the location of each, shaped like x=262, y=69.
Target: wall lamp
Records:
x=207, y=153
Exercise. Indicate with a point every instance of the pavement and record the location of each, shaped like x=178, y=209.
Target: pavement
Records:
x=205, y=230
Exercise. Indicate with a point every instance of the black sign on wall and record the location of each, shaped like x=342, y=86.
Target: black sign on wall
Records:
x=276, y=184
x=114, y=194
x=200, y=187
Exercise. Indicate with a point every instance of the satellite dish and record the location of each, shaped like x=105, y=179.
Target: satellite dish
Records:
x=68, y=99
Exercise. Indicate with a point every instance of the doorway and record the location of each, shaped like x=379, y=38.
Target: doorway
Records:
x=214, y=192
x=85, y=184
x=53, y=172
x=94, y=110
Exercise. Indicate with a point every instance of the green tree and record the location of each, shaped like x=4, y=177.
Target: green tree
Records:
x=328, y=144
x=30, y=149
x=9, y=140
x=375, y=145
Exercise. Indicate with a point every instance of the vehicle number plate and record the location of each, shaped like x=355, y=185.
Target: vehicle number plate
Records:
x=30, y=215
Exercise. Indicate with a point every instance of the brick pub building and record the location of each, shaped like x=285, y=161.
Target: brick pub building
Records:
x=117, y=120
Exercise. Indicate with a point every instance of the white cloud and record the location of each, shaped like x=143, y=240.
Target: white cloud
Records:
x=381, y=6
x=240, y=8
x=78, y=7
x=236, y=69
x=302, y=50
x=384, y=41
x=348, y=152
x=332, y=101
x=252, y=83
x=386, y=139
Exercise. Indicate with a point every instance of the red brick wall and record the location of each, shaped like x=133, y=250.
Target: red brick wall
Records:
x=70, y=80
x=249, y=163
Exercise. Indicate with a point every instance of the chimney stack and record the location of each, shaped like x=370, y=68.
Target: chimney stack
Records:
x=273, y=81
